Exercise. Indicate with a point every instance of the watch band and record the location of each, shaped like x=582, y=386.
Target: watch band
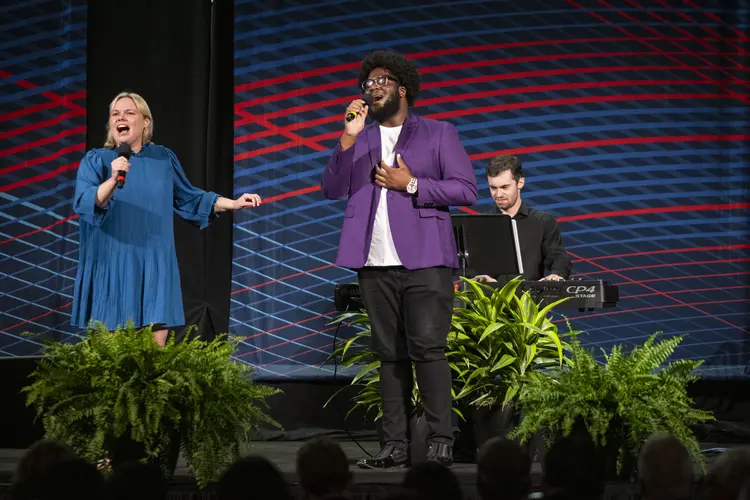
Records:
x=411, y=188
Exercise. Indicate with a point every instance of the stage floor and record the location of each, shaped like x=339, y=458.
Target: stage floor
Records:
x=369, y=484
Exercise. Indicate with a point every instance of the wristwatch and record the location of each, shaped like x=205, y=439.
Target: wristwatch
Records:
x=411, y=188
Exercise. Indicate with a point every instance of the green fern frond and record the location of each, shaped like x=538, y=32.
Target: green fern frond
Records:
x=121, y=384
x=651, y=355
x=626, y=399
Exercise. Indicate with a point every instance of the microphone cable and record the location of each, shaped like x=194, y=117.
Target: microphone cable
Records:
x=335, y=403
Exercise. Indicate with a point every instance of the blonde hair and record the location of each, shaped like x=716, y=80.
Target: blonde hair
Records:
x=143, y=109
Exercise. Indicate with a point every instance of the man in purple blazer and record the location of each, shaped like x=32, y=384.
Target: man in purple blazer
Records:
x=401, y=174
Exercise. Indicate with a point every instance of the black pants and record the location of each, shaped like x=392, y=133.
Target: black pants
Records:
x=410, y=313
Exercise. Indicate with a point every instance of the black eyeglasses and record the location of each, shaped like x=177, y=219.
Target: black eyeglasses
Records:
x=382, y=81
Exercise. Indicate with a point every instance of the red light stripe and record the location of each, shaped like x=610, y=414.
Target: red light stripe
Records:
x=659, y=210
x=694, y=290
x=253, y=287
x=435, y=53
x=651, y=308
x=670, y=250
x=35, y=231
x=717, y=19
x=35, y=318
x=42, y=124
x=39, y=178
x=43, y=159
x=676, y=278
x=666, y=264
x=272, y=330
x=41, y=142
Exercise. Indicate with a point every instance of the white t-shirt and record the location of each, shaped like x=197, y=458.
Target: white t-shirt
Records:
x=382, y=250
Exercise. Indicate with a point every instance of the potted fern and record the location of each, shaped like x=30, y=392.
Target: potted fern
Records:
x=497, y=338
x=118, y=396
x=618, y=404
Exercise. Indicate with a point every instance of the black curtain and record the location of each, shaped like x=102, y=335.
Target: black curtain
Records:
x=178, y=55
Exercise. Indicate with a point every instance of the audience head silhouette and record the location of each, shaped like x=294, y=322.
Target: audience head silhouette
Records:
x=573, y=468
x=323, y=470
x=503, y=470
x=728, y=475
x=665, y=469
x=137, y=480
x=35, y=464
x=252, y=477
x=73, y=479
x=430, y=480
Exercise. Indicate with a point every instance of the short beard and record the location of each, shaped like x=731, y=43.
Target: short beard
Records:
x=387, y=111
x=509, y=204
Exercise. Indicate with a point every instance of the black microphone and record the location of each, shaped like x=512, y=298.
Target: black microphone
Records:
x=122, y=150
x=368, y=101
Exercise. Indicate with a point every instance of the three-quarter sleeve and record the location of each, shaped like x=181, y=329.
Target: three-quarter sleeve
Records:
x=92, y=172
x=191, y=203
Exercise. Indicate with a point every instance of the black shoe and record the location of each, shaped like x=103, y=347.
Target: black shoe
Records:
x=389, y=457
x=441, y=453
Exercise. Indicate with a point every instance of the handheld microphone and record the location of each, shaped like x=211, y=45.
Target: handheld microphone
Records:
x=368, y=101
x=122, y=150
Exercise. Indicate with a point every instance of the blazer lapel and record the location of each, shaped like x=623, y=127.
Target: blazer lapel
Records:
x=370, y=147
x=407, y=132
x=373, y=144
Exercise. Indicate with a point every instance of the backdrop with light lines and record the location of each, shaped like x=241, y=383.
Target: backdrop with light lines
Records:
x=632, y=124
x=42, y=139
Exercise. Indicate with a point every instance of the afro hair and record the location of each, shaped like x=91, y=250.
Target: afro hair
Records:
x=399, y=66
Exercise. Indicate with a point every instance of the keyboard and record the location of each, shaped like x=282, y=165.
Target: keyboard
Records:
x=584, y=295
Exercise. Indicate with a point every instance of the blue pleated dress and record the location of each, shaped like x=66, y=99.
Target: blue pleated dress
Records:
x=127, y=268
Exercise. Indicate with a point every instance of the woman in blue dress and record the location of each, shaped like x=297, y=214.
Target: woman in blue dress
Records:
x=127, y=269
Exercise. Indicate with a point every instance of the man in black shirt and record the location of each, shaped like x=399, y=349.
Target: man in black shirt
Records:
x=542, y=251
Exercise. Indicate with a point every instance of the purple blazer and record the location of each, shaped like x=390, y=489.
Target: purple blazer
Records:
x=421, y=226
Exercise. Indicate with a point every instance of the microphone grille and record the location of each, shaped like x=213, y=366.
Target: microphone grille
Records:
x=124, y=150
x=367, y=98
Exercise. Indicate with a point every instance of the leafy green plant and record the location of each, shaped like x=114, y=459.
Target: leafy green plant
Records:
x=493, y=342
x=620, y=403
x=119, y=386
x=356, y=351
x=499, y=337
